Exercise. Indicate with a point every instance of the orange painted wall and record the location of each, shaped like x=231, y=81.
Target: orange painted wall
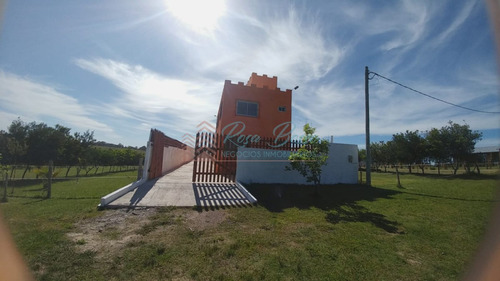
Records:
x=261, y=81
x=268, y=97
x=160, y=142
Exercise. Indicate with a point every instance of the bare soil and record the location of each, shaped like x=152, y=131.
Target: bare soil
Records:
x=109, y=233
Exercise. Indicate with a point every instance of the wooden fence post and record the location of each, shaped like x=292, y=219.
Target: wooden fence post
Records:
x=6, y=178
x=139, y=169
x=49, y=179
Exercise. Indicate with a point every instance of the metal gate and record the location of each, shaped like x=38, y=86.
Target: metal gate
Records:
x=214, y=160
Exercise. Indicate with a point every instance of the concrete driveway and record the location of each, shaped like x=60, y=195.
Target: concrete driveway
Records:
x=177, y=189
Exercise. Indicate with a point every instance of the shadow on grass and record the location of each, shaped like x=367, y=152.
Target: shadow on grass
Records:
x=18, y=183
x=276, y=197
x=35, y=189
x=354, y=213
x=339, y=201
x=35, y=201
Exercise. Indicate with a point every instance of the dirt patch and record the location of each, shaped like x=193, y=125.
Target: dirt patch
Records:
x=413, y=262
x=204, y=220
x=409, y=260
x=109, y=233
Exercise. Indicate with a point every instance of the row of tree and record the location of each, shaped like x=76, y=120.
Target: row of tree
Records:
x=34, y=144
x=452, y=144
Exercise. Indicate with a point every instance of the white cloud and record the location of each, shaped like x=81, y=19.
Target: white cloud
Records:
x=403, y=109
x=291, y=45
x=199, y=16
x=6, y=119
x=332, y=108
x=33, y=100
x=339, y=110
x=152, y=98
x=482, y=77
x=295, y=45
x=296, y=49
x=457, y=22
x=313, y=49
x=405, y=24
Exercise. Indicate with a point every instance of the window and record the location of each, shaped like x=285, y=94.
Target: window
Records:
x=247, y=108
x=282, y=108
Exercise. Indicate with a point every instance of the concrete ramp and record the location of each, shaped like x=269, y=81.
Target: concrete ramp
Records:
x=177, y=189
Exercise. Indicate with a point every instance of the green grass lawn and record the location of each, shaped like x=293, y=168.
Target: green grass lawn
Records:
x=39, y=225
x=61, y=171
x=444, y=170
x=428, y=230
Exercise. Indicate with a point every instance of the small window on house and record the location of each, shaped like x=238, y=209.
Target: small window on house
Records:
x=282, y=108
x=247, y=108
x=349, y=158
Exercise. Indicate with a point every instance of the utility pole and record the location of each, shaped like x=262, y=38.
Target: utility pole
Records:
x=367, y=122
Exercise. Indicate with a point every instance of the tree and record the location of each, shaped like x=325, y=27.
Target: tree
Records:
x=437, y=147
x=310, y=157
x=412, y=148
x=3, y=176
x=84, y=155
x=44, y=142
x=47, y=174
x=459, y=143
x=4, y=138
x=380, y=154
x=71, y=151
x=394, y=156
x=17, y=145
x=361, y=156
x=37, y=143
x=418, y=147
x=377, y=154
x=386, y=155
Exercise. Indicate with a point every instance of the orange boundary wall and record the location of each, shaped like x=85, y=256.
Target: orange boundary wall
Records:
x=159, y=141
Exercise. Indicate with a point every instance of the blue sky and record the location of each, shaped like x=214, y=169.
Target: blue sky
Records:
x=120, y=68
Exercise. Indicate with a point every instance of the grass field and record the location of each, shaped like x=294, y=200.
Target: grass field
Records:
x=61, y=171
x=433, y=170
x=427, y=230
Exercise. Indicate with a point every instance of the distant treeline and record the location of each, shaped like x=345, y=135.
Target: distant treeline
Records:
x=112, y=145
x=452, y=144
x=34, y=144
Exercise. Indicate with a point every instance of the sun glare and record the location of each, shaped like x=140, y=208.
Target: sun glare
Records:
x=199, y=15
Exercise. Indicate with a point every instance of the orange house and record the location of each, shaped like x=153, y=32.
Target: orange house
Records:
x=257, y=109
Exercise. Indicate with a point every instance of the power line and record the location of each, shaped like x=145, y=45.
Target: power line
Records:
x=429, y=96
